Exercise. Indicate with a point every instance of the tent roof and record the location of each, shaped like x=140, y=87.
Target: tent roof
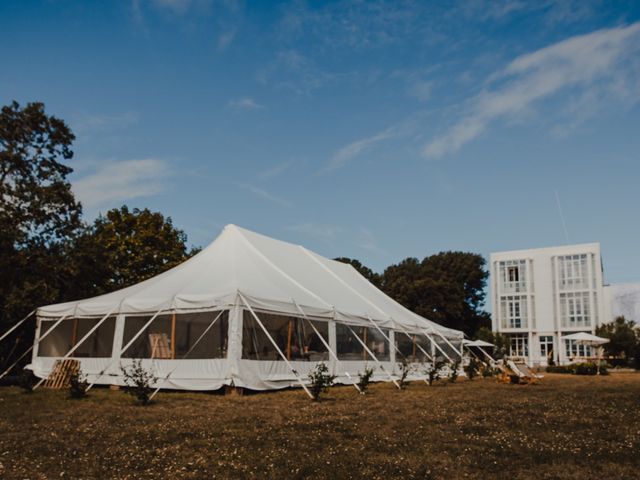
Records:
x=270, y=274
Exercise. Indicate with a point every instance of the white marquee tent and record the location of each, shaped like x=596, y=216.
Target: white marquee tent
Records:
x=247, y=311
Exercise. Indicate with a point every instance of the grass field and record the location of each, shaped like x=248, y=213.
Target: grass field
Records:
x=566, y=427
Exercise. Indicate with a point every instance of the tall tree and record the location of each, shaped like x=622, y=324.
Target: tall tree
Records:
x=447, y=288
x=623, y=336
x=365, y=271
x=125, y=247
x=38, y=212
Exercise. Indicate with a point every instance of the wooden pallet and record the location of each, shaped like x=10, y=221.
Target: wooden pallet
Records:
x=60, y=376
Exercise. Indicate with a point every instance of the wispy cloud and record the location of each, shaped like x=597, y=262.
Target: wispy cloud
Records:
x=326, y=233
x=354, y=149
x=246, y=103
x=276, y=170
x=605, y=61
x=259, y=192
x=84, y=122
x=116, y=182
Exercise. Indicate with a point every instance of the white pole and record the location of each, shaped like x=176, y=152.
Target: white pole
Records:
x=126, y=347
x=273, y=342
x=326, y=345
x=32, y=346
x=433, y=342
x=189, y=351
x=459, y=352
x=373, y=356
x=16, y=326
x=387, y=339
x=75, y=347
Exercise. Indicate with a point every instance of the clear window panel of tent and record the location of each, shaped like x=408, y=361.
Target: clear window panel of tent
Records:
x=58, y=341
x=201, y=336
x=294, y=336
x=410, y=347
x=197, y=336
x=100, y=343
x=349, y=348
x=69, y=332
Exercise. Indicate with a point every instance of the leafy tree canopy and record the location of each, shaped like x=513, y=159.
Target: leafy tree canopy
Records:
x=447, y=288
x=623, y=336
x=125, y=247
x=365, y=271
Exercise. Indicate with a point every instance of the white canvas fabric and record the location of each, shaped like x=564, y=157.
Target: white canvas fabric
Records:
x=272, y=277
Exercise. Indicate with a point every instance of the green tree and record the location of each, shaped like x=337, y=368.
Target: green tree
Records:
x=447, y=288
x=623, y=336
x=365, y=271
x=500, y=341
x=39, y=216
x=125, y=247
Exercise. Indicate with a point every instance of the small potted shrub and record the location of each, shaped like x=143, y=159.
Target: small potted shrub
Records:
x=78, y=385
x=364, y=379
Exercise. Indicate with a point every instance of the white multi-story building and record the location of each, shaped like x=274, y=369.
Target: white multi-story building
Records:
x=540, y=295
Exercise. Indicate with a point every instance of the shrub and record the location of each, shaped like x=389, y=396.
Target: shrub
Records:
x=586, y=368
x=433, y=372
x=560, y=369
x=320, y=380
x=138, y=381
x=405, y=369
x=471, y=369
x=453, y=374
x=78, y=385
x=364, y=379
x=27, y=381
x=489, y=371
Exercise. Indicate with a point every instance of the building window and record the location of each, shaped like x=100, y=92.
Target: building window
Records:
x=574, y=310
x=575, y=350
x=513, y=276
x=513, y=310
x=519, y=346
x=573, y=272
x=546, y=347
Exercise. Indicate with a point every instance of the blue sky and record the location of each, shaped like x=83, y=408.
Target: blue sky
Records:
x=374, y=130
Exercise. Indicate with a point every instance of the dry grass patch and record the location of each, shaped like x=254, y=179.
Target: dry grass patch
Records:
x=566, y=427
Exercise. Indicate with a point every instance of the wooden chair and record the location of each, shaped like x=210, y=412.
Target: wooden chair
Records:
x=159, y=343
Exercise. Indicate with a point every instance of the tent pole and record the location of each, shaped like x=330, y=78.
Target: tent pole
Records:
x=326, y=345
x=289, y=333
x=173, y=335
x=126, y=347
x=433, y=342
x=188, y=352
x=75, y=347
x=33, y=346
x=282, y=355
x=16, y=362
x=373, y=356
x=459, y=352
x=389, y=340
x=8, y=332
